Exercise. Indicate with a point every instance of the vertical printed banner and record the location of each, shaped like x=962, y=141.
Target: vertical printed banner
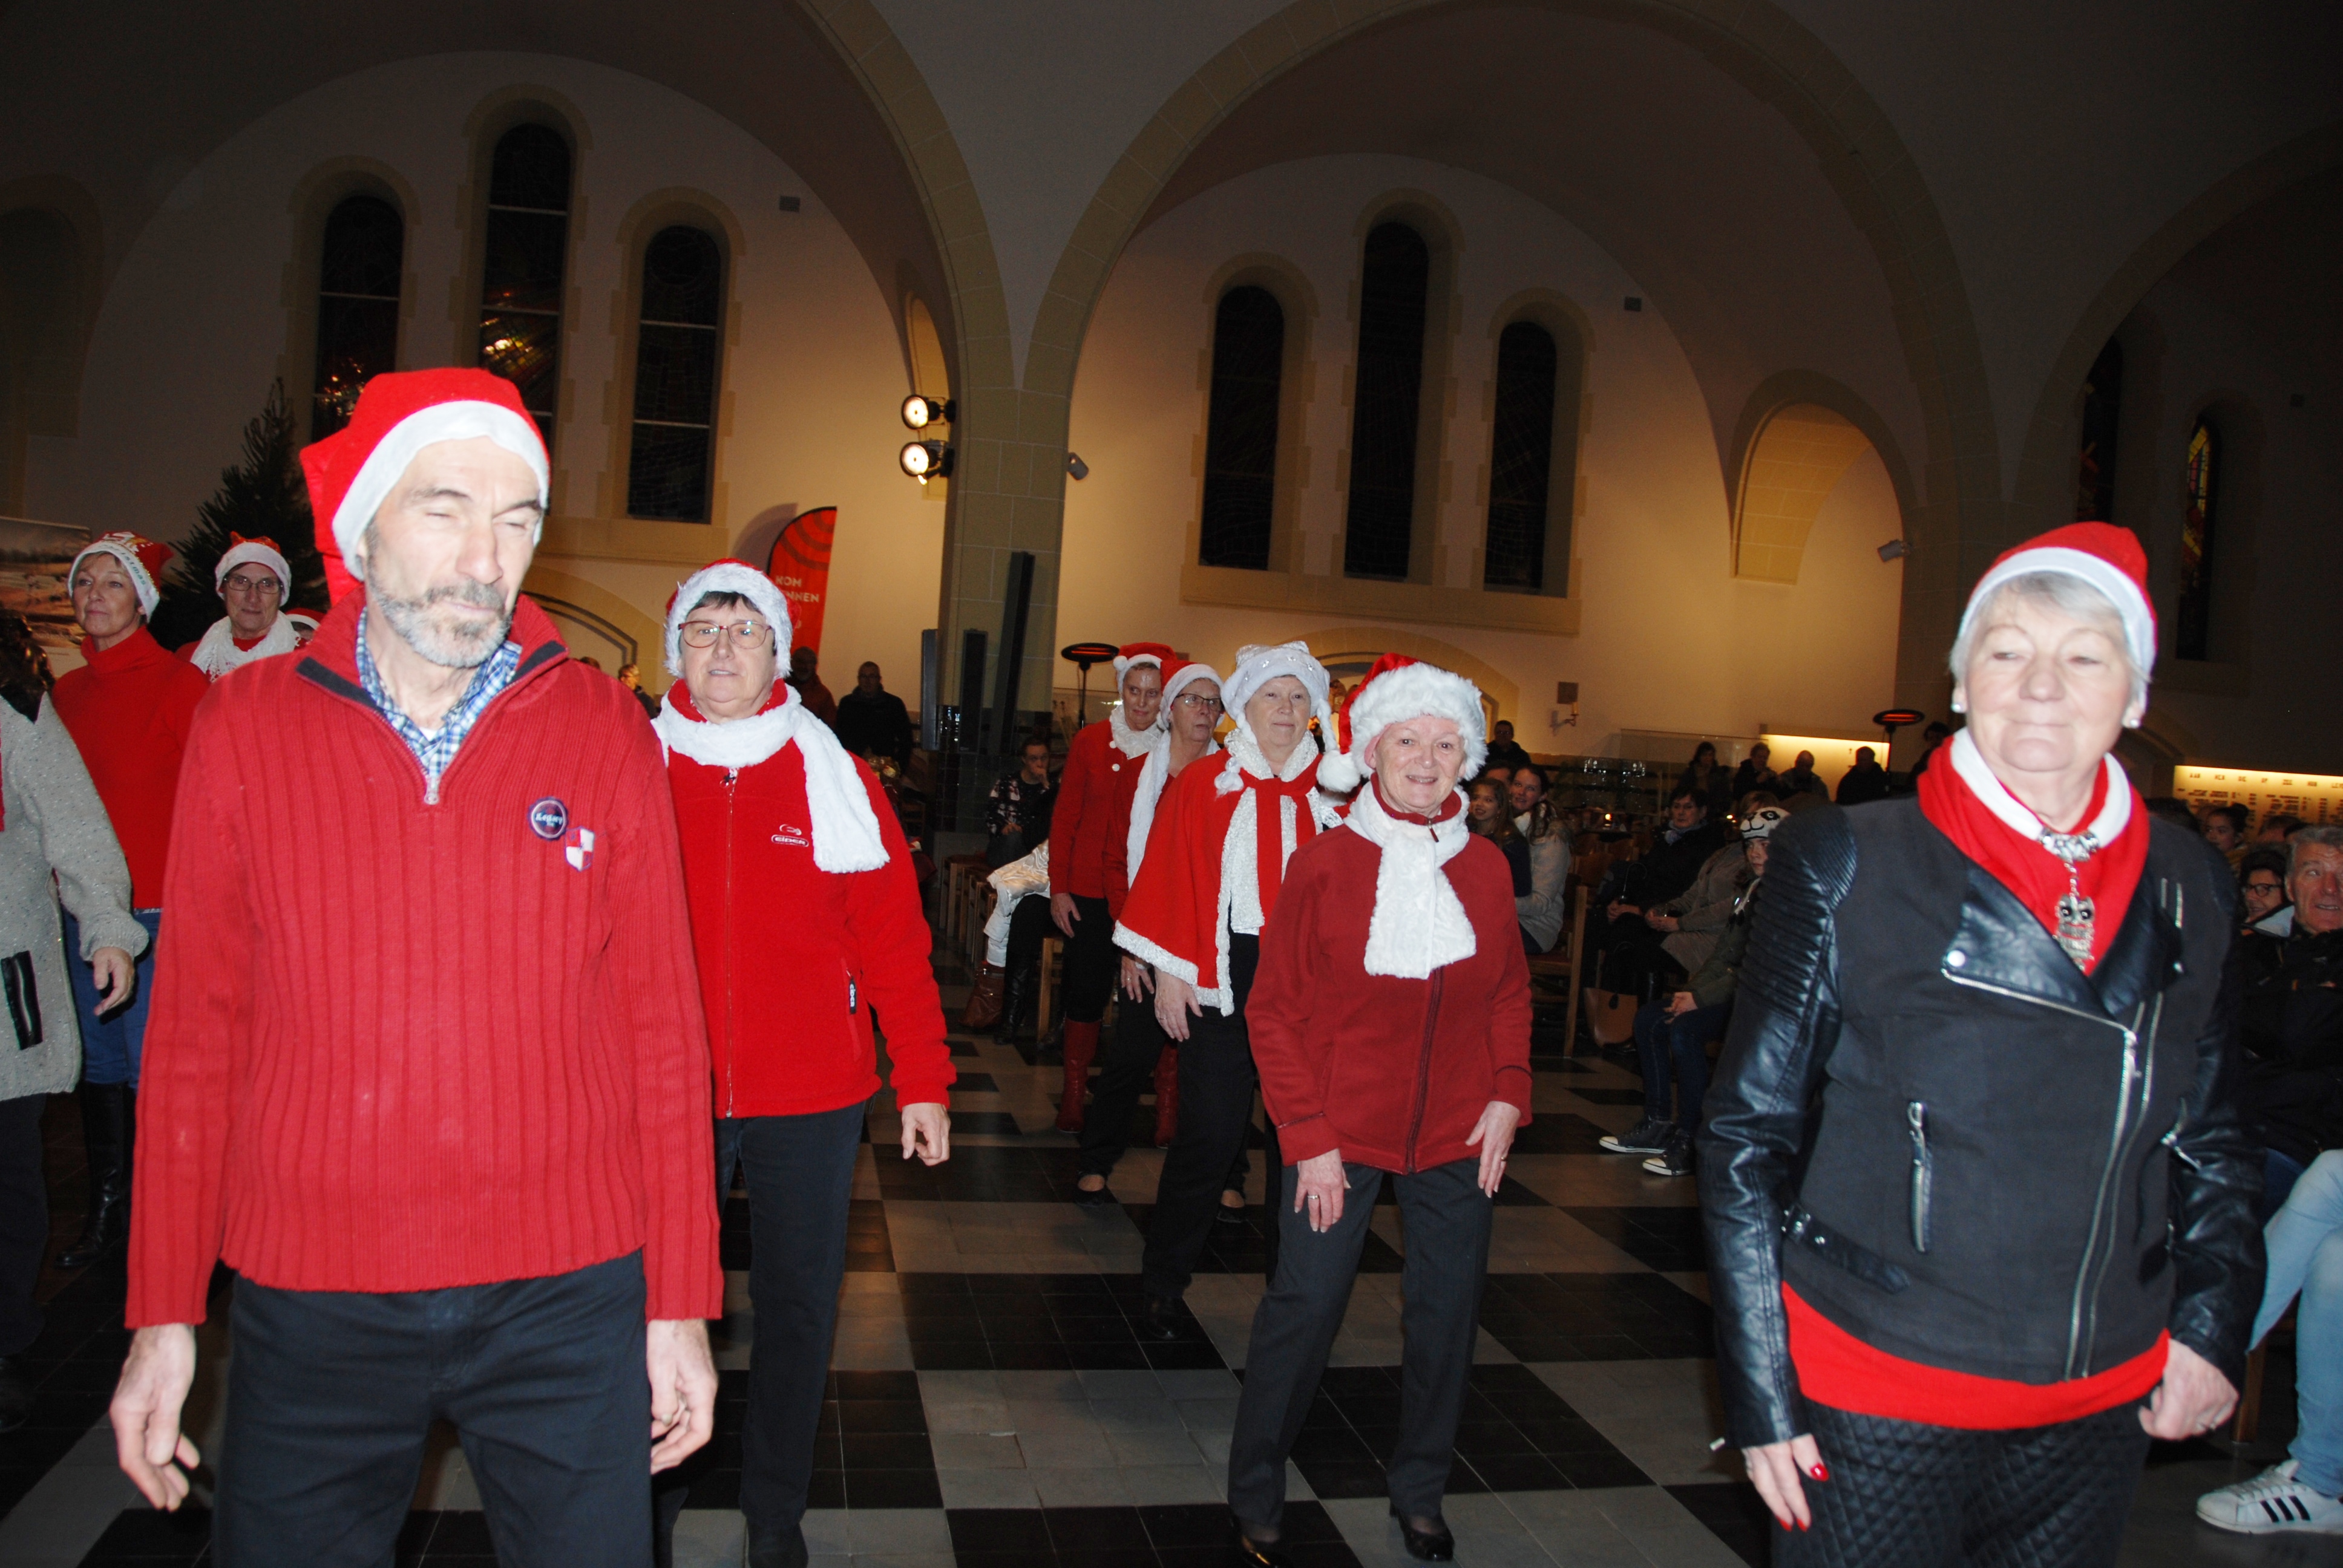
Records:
x=799, y=563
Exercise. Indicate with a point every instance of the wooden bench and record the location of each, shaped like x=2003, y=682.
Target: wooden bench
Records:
x=1560, y=967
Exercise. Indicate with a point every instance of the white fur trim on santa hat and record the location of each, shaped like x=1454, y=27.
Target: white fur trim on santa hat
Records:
x=1257, y=665
x=464, y=421
x=254, y=552
x=142, y=582
x=845, y=831
x=1123, y=667
x=730, y=577
x=1394, y=696
x=2111, y=581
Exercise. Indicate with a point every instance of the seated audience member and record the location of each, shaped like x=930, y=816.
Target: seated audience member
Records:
x=2262, y=890
x=1017, y=813
x=1755, y=772
x=1671, y=1033
x=1932, y=738
x=2290, y=1017
x=1866, y=781
x=872, y=721
x=1630, y=946
x=2304, y=1242
x=1707, y=778
x=1543, y=909
x=1690, y=922
x=2172, y=810
x=1014, y=934
x=2225, y=829
x=1489, y=808
x=1504, y=751
x=1802, y=780
x=2276, y=827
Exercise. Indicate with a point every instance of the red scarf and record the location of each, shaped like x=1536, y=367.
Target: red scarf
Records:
x=1269, y=828
x=2031, y=871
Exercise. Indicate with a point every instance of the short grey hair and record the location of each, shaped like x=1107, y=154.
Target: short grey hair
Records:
x=2329, y=834
x=2071, y=596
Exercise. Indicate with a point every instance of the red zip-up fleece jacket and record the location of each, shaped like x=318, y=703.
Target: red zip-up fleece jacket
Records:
x=1393, y=1072
x=400, y=1045
x=129, y=710
x=793, y=959
x=1094, y=801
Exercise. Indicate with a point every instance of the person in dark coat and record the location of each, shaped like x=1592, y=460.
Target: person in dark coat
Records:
x=2290, y=1015
x=1755, y=771
x=872, y=721
x=1866, y=781
x=1705, y=776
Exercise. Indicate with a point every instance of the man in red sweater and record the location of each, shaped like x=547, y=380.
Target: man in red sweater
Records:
x=128, y=707
x=1102, y=768
x=429, y=1070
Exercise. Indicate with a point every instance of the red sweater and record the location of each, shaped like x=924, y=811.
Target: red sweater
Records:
x=129, y=709
x=1393, y=1072
x=793, y=959
x=401, y=1047
x=1093, y=805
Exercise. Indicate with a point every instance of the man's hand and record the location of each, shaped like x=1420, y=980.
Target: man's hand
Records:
x=683, y=1389
x=1319, y=1184
x=927, y=1132
x=1619, y=907
x=1776, y=1471
x=1175, y=1002
x=1138, y=979
x=2193, y=1399
x=115, y=971
x=1062, y=910
x=1659, y=923
x=1680, y=1003
x=147, y=1442
x=1495, y=1133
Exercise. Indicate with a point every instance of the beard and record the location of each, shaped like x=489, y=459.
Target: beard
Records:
x=451, y=641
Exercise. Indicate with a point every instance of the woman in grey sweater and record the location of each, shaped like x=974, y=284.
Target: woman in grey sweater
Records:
x=51, y=822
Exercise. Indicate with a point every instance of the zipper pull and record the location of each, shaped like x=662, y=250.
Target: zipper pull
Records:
x=1923, y=1172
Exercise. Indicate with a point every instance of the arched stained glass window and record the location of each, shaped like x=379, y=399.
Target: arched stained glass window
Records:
x=674, y=447
x=523, y=266
x=2094, y=483
x=1521, y=459
x=364, y=249
x=1241, y=429
x=1393, y=282
x=2198, y=531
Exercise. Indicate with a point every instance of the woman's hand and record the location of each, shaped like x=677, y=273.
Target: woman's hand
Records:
x=1175, y=1002
x=1495, y=1133
x=1137, y=979
x=1680, y=1003
x=2193, y=1399
x=1662, y=922
x=113, y=971
x=1777, y=1472
x=1063, y=910
x=1319, y=1184
x=927, y=1132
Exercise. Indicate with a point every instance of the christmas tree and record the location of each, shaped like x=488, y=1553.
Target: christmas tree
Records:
x=264, y=497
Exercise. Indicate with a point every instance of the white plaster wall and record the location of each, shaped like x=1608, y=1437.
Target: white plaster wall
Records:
x=1669, y=639
x=195, y=321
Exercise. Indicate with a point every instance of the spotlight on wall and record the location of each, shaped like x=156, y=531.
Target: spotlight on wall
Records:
x=1076, y=467
x=925, y=460
x=919, y=411
x=1892, y=550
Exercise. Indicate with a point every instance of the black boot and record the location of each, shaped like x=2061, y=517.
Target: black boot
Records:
x=106, y=1130
x=783, y=1548
x=1016, y=1001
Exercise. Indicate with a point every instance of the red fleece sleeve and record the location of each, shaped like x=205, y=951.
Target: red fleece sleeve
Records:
x=1075, y=788
x=1118, y=853
x=1508, y=1016
x=650, y=985
x=1277, y=1016
x=195, y=1027
x=892, y=937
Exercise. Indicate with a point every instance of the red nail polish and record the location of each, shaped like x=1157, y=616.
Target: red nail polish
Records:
x=1783, y=1523
x=1820, y=1472
x=1802, y=1524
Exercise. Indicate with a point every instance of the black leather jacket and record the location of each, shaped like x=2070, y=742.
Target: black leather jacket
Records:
x=1956, y=1146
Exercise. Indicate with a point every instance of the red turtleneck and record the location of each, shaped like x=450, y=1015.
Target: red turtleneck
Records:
x=129, y=709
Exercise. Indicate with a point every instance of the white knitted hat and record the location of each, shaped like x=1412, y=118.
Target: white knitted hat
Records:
x=1396, y=689
x=730, y=577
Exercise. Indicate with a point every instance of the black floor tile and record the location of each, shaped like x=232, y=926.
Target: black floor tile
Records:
x=144, y=1535
x=1240, y=1248
x=1595, y=1317
x=976, y=1083
x=1668, y=1239
x=1610, y=1096
x=1195, y=1535
x=1547, y=1061
x=1558, y=1132
x=985, y=1174
x=974, y=1322
x=1735, y=1515
x=985, y=1121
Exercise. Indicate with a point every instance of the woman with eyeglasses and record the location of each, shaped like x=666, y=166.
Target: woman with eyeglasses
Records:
x=806, y=921
x=253, y=582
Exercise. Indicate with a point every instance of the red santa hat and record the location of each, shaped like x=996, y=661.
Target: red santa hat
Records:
x=1180, y=672
x=2107, y=557
x=399, y=413
x=1394, y=691
x=730, y=577
x=1134, y=653
x=241, y=551
x=143, y=559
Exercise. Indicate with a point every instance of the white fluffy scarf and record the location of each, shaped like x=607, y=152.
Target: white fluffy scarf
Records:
x=846, y=835
x=1418, y=924
x=217, y=653
x=1128, y=741
x=1153, y=778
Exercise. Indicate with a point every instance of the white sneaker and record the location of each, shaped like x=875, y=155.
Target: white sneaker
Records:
x=2272, y=1501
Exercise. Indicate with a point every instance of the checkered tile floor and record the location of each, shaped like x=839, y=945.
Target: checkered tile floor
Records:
x=990, y=1402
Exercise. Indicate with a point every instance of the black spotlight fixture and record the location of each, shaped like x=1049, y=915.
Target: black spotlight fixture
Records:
x=921, y=411
x=925, y=460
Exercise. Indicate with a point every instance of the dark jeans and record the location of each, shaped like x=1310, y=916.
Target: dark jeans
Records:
x=111, y=1046
x=800, y=1172
x=24, y=1221
x=1447, y=1218
x=1216, y=1089
x=331, y=1395
x=1126, y=1070
x=1664, y=1044
x=1092, y=961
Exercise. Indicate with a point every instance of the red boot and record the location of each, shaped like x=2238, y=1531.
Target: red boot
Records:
x=1167, y=1095
x=1082, y=1048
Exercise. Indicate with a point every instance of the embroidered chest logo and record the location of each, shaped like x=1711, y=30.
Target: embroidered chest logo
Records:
x=548, y=818
x=789, y=836
x=577, y=848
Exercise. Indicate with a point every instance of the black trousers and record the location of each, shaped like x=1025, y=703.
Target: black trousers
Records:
x=24, y=1221
x=331, y=1395
x=1447, y=1217
x=1217, y=1080
x=1092, y=961
x=800, y=1172
x=1905, y=1495
x=1126, y=1070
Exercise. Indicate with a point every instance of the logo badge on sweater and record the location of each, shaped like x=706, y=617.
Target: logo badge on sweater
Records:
x=789, y=836
x=548, y=818
x=578, y=847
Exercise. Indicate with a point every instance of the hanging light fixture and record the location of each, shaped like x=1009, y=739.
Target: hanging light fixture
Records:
x=925, y=460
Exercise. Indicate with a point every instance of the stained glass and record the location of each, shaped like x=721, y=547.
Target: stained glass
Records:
x=362, y=249
x=675, y=377
x=1393, y=281
x=1241, y=429
x=2192, y=638
x=1521, y=459
x=524, y=260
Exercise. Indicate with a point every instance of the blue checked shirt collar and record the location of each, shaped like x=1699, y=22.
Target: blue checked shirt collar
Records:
x=438, y=751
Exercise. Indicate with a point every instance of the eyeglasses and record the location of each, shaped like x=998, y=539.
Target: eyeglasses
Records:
x=744, y=634
x=265, y=585
x=1201, y=704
